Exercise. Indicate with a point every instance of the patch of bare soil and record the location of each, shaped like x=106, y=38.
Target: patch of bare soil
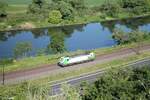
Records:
x=27, y=25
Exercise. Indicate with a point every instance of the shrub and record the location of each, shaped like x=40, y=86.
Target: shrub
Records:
x=55, y=17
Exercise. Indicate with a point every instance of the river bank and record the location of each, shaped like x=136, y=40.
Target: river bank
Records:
x=30, y=25
x=47, y=60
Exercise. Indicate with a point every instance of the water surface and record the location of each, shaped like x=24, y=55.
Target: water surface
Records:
x=71, y=38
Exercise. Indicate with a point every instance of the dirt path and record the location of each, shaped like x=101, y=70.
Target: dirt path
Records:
x=46, y=70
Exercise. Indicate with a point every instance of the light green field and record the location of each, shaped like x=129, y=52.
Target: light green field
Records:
x=26, y=2
x=18, y=2
x=92, y=3
x=15, y=9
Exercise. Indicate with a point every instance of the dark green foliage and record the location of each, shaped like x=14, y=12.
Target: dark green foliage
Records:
x=22, y=49
x=66, y=10
x=3, y=6
x=120, y=85
x=110, y=8
x=38, y=7
x=78, y=4
x=136, y=6
x=64, y=7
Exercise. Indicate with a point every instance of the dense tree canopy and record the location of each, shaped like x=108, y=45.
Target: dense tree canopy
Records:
x=136, y=6
x=38, y=6
x=65, y=8
x=110, y=8
x=120, y=85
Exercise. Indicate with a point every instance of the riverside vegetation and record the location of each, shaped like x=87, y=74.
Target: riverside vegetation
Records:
x=121, y=84
x=130, y=84
x=42, y=13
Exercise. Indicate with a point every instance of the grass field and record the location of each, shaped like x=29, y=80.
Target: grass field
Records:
x=15, y=9
x=18, y=2
x=26, y=2
x=94, y=2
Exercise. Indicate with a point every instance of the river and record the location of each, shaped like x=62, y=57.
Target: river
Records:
x=71, y=38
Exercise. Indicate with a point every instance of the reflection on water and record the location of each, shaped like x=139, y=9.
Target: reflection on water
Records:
x=70, y=38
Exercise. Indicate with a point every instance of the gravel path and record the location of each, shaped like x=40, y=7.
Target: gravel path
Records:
x=47, y=70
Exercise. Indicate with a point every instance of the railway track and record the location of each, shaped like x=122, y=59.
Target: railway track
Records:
x=46, y=70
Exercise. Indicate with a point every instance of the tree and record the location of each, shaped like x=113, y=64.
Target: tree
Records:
x=136, y=6
x=78, y=5
x=38, y=7
x=3, y=63
x=120, y=84
x=69, y=8
x=65, y=9
x=22, y=49
x=110, y=8
x=137, y=36
x=3, y=6
x=55, y=17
